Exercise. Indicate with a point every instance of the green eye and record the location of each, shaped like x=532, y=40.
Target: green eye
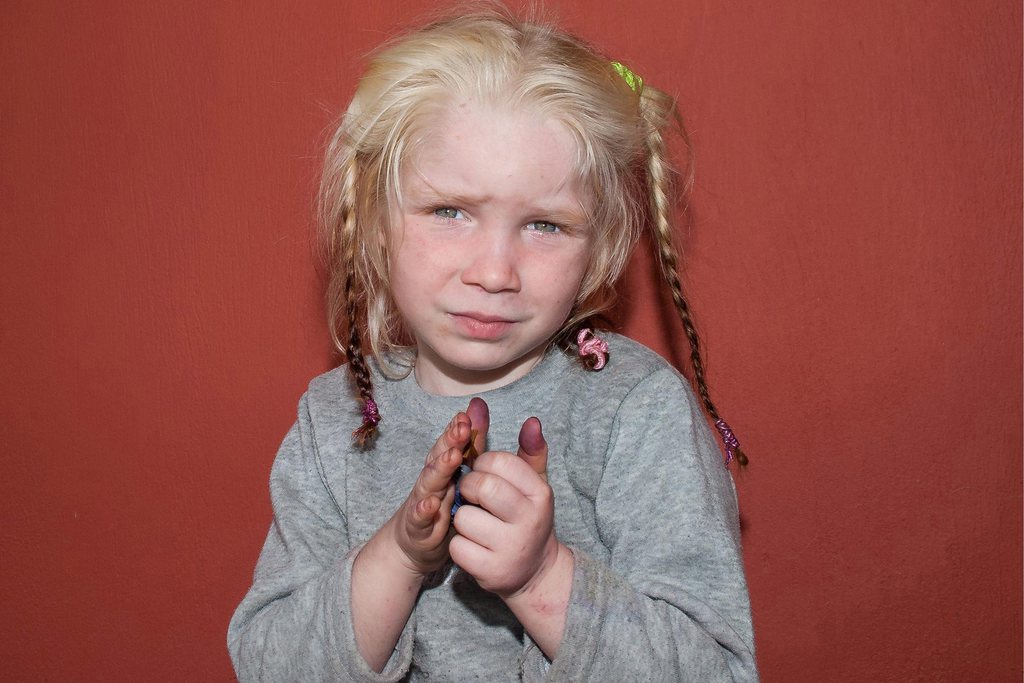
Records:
x=448, y=212
x=543, y=226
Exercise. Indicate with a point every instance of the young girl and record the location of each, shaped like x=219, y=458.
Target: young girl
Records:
x=481, y=197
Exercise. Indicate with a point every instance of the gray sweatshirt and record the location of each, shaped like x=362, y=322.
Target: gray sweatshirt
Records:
x=641, y=498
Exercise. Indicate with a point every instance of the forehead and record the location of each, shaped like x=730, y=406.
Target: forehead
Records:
x=513, y=155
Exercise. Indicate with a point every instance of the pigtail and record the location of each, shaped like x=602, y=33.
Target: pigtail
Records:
x=359, y=371
x=354, y=350
x=344, y=290
x=659, y=175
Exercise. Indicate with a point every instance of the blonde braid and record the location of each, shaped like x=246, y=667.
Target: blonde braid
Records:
x=659, y=184
x=346, y=247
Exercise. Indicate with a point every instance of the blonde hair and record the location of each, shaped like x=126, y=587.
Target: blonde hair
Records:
x=492, y=57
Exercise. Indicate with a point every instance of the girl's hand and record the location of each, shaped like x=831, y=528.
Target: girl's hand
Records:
x=389, y=570
x=420, y=526
x=508, y=543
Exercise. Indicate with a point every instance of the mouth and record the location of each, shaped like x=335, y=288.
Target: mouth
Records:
x=480, y=325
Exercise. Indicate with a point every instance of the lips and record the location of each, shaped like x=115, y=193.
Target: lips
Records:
x=481, y=325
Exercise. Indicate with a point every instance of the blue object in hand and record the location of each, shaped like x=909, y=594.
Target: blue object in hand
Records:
x=462, y=471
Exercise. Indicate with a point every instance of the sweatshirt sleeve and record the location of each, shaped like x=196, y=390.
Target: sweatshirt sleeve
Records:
x=295, y=622
x=670, y=601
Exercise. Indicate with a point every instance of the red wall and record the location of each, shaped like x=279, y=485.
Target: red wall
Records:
x=855, y=263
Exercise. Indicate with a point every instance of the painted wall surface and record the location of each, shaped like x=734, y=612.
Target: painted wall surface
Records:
x=854, y=262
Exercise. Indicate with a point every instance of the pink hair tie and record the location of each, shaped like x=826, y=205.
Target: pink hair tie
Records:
x=592, y=349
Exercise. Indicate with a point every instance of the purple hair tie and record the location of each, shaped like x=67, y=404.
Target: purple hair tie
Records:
x=370, y=414
x=592, y=346
x=371, y=417
x=732, y=444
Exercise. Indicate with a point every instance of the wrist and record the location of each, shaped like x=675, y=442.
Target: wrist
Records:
x=541, y=606
x=385, y=553
x=548, y=590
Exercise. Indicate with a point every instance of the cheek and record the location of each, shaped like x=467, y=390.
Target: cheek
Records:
x=576, y=269
x=416, y=246
x=563, y=282
x=418, y=268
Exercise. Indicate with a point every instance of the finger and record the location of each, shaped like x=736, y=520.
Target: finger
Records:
x=495, y=494
x=449, y=497
x=480, y=420
x=425, y=512
x=511, y=467
x=460, y=432
x=533, y=448
x=479, y=526
x=455, y=435
x=471, y=556
x=436, y=475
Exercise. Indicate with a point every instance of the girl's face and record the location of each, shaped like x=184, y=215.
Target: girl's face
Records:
x=489, y=247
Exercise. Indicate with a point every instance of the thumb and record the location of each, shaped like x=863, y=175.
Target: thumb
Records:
x=480, y=421
x=533, y=448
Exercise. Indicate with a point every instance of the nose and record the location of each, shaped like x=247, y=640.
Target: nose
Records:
x=492, y=262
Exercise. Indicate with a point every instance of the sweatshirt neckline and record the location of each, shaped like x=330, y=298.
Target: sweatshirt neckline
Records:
x=438, y=410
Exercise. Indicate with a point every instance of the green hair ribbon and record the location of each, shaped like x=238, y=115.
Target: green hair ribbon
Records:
x=632, y=80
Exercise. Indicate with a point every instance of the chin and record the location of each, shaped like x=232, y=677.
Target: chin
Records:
x=486, y=361
x=482, y=364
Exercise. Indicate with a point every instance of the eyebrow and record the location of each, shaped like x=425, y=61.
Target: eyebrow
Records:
x=468, y=200
x=424, y=191
x=556, y=213
x=422, y=186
